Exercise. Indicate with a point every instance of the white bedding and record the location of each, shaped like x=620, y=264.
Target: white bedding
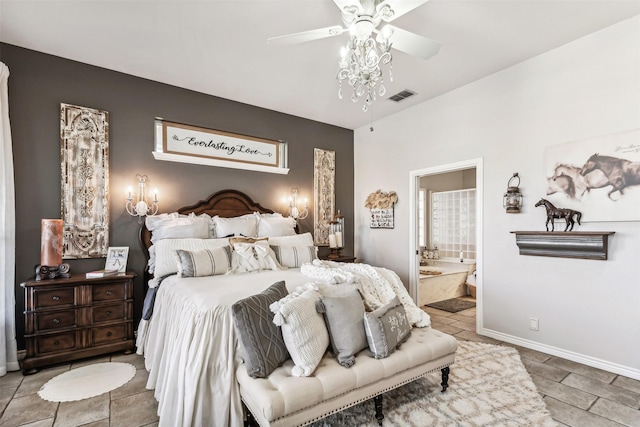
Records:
x=191, y=349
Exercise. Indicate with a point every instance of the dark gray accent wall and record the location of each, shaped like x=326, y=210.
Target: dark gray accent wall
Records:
x=38, y=83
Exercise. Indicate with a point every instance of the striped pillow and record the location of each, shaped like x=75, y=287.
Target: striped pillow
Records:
x=204, y=262
x=295, y=256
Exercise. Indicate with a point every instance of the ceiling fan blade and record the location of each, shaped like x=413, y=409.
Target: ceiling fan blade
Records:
x=306, y=36
x=399, y=8
x=412, y=43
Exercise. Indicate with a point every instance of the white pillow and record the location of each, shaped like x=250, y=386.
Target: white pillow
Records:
x=246, y=225
x=303, y=329
x=176, y=226
x=305, y=239
x=256, y=256
x=203, y=262
x=295, y=256
x=165, y=250
x=276, y=226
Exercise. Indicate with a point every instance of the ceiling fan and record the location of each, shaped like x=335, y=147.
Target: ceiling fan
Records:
x=362, y=17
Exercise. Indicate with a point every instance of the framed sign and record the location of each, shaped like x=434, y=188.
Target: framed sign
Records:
x=192, y=144
x=381, y=218
x=117, y=258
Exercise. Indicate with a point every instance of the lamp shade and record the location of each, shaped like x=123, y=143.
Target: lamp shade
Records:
x=51, y=242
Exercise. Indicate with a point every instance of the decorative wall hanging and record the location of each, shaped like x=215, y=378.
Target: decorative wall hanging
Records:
x=324, y=192
x=84, y=151
x=380, y=206
x=598, y=176
x=191, y=144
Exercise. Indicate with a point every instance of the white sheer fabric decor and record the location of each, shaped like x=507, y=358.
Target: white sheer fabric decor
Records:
x=9, y=348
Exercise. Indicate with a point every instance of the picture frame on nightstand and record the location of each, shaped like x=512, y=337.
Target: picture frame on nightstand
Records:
x=117, y=258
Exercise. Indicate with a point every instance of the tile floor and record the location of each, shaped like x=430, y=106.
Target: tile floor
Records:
x=576, y=395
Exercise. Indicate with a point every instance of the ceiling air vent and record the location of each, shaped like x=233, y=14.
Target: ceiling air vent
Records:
x=402, y=95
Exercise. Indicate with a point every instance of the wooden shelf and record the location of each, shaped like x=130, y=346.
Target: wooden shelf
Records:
x=571, y=244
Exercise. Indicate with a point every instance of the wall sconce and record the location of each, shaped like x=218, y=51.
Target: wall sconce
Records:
x=512, y=199
x=294, y=211
x=336, y=236
x=140, y=206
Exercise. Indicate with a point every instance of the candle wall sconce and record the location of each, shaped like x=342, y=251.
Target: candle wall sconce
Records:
x=336, y=236
x=140, y=205
x=51, y=244
x=295, y=211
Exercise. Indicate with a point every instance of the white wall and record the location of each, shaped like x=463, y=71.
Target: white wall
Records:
x=589, y=311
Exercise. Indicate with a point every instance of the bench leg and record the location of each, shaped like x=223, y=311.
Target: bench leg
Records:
x=377, y=401
x=249, y=420
x=445, y=379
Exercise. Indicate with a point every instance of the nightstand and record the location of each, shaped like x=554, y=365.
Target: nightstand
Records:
x=73, y=318
x=341, y=258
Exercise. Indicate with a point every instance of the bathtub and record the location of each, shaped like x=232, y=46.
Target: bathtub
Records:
x=451, y=283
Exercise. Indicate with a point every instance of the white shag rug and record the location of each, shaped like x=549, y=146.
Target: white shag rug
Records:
x=488, y=386
x=87, y=381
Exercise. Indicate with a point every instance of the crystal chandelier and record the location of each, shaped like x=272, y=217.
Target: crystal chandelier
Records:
x=361, y=60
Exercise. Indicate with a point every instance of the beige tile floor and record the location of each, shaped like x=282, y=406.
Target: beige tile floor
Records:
x=576, y=395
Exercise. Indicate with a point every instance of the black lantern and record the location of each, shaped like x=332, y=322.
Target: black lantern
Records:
x=512, y=199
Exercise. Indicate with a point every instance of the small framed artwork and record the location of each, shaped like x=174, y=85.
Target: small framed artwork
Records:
x=117, y=258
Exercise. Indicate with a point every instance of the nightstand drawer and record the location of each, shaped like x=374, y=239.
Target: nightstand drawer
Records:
x=108, y=292
x=55, y=320
x=55, y=343
x=109, y=334
x=108, y=313
x=45, y=298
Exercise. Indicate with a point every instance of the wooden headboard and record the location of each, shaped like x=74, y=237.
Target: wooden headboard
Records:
x=224, y=203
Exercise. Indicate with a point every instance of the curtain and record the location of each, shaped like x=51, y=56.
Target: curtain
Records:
x=8, y=345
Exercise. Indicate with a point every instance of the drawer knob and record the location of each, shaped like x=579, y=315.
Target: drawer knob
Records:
x=56, y=342
x=108, y=313
x=55, y=298
x=109, y=334
x=56, y=321
x=108, y=292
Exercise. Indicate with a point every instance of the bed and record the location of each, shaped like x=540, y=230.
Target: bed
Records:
x=188, y=339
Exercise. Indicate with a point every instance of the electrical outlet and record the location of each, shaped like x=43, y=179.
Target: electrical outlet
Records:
x=533, y=324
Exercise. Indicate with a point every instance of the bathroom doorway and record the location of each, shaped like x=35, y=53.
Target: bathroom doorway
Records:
x=447, y=213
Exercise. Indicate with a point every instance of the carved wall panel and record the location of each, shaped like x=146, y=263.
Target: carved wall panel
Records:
x=324, y=191
x=84, y=151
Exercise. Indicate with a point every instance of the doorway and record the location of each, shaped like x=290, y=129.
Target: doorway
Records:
x=420, y=235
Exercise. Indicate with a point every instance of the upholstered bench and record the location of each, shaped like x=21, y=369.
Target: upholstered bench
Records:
x=284, y=400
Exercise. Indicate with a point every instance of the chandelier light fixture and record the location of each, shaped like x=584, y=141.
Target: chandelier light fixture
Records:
x=140, y=206
x=361, y=62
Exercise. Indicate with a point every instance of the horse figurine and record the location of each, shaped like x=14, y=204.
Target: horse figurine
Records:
x=620, y=173
x=553, y=212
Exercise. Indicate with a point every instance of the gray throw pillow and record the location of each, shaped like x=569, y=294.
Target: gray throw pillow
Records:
x=386, y=328
x=343, y=317
x=260, y=337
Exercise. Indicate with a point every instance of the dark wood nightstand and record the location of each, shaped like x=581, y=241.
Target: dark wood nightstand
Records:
x=76, y=317
x=341, y=258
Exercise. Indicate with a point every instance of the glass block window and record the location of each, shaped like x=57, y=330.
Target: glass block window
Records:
x=453, y=223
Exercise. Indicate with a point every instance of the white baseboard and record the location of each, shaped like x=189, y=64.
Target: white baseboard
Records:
x=565, y=354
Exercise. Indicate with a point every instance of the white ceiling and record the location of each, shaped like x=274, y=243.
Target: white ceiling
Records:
x=219, y=47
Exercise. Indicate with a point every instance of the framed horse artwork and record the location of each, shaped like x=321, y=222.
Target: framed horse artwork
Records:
x=599, y=177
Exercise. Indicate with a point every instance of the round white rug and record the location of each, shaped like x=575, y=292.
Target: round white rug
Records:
x=87, y=381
